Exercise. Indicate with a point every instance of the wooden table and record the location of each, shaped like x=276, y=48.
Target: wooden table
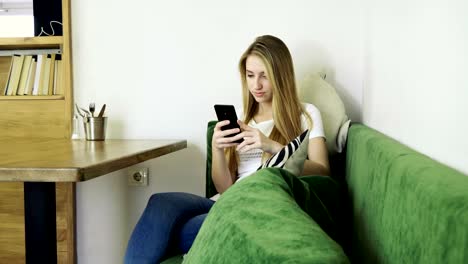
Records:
x=47, y=170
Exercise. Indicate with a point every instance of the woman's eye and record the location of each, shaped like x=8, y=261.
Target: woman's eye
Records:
x=250, y=75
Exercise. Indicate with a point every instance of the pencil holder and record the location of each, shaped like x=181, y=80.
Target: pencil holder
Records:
x=95, y=128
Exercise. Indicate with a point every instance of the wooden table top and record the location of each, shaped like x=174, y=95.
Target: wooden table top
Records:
x=66, y=160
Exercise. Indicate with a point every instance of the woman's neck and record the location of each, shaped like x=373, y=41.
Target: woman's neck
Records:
x=264, y=112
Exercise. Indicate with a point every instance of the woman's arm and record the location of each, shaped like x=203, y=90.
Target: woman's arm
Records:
x=317, y=164
x=220, y=173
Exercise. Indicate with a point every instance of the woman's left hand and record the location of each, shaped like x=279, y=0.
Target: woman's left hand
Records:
x=255, y=139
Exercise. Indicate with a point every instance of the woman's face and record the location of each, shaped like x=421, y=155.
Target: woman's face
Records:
x=257, y=80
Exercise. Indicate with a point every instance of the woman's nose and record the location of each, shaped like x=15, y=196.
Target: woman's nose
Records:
x=258, y=84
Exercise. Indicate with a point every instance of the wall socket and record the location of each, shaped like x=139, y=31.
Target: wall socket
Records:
x=138, y=177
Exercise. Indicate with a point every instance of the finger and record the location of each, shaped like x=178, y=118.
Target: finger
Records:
x=248, y=134
x=227, y=145
x=244, y=144
x=225, y=140
x=245, y=149
x=243, y=126
x=241, y=145
x=220, y=124
x=238, y=136
x=227, y=133
x=248, y=147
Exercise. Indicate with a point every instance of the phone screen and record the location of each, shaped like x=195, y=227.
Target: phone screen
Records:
x=228, y=112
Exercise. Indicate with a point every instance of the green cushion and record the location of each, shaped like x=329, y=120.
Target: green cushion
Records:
x=174, y=260
x=326, y=205
x=265, y=218
x=407, y=207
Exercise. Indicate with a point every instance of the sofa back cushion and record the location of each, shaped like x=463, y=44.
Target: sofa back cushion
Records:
x=407, y=208
x=210, y=189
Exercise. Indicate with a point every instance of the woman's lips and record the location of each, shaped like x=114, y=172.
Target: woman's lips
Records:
x=259, y=94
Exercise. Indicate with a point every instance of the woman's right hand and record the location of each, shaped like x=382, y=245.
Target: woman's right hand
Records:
x=221, y=139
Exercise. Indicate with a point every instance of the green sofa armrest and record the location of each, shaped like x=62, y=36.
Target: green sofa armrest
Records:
x=407, y=208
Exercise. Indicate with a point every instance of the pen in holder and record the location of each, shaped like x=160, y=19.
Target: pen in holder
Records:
x=95, y=128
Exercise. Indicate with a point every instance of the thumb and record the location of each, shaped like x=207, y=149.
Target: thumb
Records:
x=242, y=125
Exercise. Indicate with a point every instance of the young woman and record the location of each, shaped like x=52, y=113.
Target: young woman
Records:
x=273, y=116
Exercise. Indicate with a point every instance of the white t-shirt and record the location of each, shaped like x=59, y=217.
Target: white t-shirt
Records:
x=251, y=160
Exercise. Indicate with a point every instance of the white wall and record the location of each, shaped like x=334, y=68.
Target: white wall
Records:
x=416, y=81
x=23, y=26
x=161, y=66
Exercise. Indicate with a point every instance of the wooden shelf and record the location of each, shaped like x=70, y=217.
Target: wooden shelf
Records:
x=31, y=42
x=44, y=117
x=31, y=97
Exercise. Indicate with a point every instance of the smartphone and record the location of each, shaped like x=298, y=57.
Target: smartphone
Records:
x=228, y=112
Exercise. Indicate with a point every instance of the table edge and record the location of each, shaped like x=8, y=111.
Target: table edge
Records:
x=80, y=174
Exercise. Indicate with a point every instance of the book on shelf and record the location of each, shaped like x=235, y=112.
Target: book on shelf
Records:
x=15, y=74
x=5, y=69
x=31, y=76
x=35, y=74
x=58, y=80
x=37, y=79
x=24, y=75
x=50, y=89
x=45, y=74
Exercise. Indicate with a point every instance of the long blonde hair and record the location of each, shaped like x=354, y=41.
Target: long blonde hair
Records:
x=287, y=109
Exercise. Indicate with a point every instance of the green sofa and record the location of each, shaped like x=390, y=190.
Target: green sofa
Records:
x=386, y=203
